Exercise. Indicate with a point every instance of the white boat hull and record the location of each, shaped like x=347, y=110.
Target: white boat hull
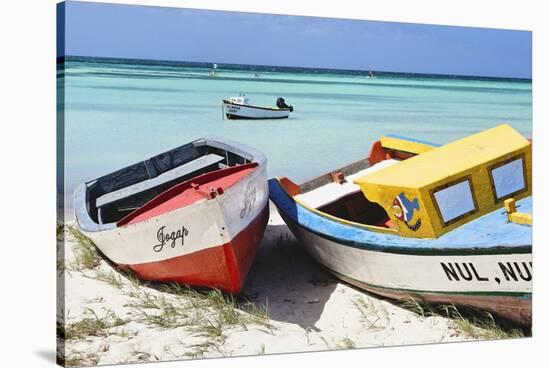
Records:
x=422, y=273
x=500, y=283
x=237, y=111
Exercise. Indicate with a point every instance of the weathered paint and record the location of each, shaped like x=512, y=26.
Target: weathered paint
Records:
x=470, y=159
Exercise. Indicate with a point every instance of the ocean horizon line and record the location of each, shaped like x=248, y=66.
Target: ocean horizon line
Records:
x=276, y=68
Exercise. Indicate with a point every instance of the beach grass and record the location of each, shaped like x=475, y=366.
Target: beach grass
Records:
x=347, y=343
x=110, y=278
x=92, y=325
x=373, y=317
x=230, y=310
x=474, y=324
x=420, y=308
x=79, y=360
x=198, y=350
x=86, y=255
x=481, y=325
x=141, y=357
x=208, y=314
x=158, y=311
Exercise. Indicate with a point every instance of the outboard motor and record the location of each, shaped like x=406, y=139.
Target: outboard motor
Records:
x=282, y=105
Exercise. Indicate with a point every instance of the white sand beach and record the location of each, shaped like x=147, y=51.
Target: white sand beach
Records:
x=111, y=318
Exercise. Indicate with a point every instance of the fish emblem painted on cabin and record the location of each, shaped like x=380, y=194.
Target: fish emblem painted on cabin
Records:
x=403, y=209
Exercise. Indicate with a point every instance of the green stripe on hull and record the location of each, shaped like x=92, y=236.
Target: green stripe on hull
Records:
x=351, y=280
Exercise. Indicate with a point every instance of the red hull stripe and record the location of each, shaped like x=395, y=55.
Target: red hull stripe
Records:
x=223, y=267
x=184, y=194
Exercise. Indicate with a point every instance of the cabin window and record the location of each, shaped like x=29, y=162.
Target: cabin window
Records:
x=454, y=200
x=508, y=178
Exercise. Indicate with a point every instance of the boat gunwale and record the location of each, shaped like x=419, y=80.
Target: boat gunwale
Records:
x=182, y=187
x=373, y=228
x=323, y=179
x=392, y=248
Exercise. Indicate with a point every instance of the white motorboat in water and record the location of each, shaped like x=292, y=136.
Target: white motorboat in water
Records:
x=240, y=108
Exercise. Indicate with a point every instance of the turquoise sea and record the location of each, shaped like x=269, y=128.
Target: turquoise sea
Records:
x=117, y=112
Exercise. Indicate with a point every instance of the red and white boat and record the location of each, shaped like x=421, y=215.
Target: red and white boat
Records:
x=193, y=215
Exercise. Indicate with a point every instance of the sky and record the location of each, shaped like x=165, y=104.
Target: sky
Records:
x=175, y=34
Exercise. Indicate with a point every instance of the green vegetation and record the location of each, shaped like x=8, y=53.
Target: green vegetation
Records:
x=472, y=323
x=347, y=343
x=370, y=314
x=208, y=313
x=92, y=326
x=86, y=255
x=110, y=278
x=141, y=357
x=79, y=360
x=480, y=325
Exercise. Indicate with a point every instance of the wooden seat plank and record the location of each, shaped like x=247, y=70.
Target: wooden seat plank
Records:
x=185, y=169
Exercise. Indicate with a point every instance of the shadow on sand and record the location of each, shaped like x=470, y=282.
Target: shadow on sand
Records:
x=283, y=276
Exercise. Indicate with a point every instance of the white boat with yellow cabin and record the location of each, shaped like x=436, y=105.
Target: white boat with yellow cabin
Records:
x=441, y=224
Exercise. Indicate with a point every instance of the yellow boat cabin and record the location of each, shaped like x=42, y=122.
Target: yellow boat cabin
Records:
x=444, y=187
